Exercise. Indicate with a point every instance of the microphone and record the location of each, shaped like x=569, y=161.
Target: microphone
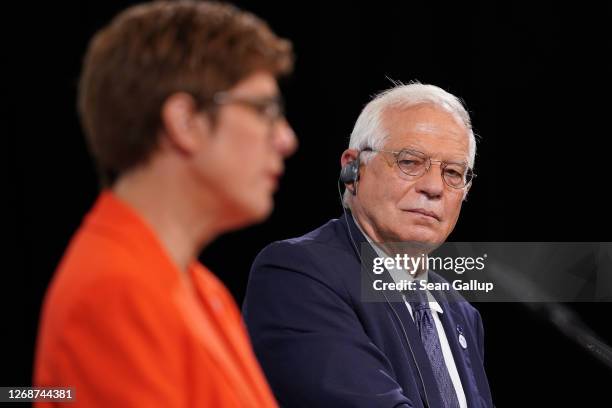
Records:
x=559, y=315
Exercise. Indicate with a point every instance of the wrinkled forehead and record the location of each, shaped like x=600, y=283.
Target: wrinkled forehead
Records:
x=429, y=129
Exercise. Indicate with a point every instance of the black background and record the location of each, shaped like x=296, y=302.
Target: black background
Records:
x=535, y=78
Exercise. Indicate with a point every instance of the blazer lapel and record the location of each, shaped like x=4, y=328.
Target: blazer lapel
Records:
x=419, y=360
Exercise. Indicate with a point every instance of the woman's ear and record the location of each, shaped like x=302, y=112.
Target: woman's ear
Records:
x=184, y=126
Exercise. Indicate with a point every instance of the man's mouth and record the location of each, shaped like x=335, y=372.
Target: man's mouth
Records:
x=425, y=212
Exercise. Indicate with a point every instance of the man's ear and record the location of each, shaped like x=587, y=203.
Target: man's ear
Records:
x=348, y=156
x=184, y=126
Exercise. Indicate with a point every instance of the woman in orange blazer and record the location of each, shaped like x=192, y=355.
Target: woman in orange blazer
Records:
x=181, y=110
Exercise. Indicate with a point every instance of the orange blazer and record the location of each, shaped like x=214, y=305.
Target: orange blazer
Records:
x=124, y=327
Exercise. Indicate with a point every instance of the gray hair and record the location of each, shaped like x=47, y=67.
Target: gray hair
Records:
x=369, y=130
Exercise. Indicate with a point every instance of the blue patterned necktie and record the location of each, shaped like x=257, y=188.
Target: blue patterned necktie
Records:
x=429, y=335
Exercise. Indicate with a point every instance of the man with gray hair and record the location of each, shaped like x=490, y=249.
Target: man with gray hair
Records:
x=407, y=170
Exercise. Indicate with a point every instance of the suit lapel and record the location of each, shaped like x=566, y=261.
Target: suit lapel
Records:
x=413, y=343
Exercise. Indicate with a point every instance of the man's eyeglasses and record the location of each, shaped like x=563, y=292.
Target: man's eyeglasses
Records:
x=415, y=163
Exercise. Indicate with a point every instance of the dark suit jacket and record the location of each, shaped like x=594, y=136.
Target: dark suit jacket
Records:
x=320, y=345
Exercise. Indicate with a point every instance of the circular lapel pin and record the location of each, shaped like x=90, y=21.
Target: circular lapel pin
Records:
x=462, y=340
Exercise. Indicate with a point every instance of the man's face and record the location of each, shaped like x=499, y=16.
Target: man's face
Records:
x=389, y=204
x=244, y=160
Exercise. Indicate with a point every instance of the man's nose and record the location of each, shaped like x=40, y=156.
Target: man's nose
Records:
x=431, y=183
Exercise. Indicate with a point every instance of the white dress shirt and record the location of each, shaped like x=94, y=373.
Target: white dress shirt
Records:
x=401, y=274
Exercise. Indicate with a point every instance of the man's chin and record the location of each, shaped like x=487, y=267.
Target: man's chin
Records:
x=422, y=236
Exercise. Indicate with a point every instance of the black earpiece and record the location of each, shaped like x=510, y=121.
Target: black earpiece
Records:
x=350, y=172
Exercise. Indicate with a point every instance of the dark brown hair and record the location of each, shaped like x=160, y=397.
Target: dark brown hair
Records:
x=151, y=51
